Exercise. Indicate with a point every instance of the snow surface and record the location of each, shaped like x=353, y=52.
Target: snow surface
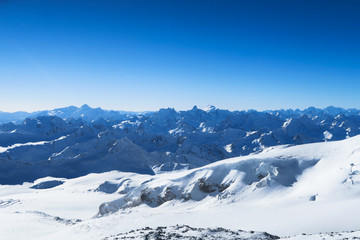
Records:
x=19, y=145
x=270, y=191
x=191, y=233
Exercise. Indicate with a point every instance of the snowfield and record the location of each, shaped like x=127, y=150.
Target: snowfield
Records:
x=284, y=190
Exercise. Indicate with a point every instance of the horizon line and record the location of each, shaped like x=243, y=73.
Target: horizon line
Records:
x=179, y=110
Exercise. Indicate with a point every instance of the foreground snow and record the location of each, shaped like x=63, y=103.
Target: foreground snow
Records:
x=187, y=232
x=284, y=190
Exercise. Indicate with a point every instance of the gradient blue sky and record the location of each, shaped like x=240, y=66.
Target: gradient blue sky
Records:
x=144, y=55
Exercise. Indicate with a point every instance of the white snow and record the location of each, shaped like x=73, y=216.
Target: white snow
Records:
x=327, y=135
x=269, y=191
x=248, y=134
x=228, y=148
x=286, y=123
x=4, y=149
x=209, y=108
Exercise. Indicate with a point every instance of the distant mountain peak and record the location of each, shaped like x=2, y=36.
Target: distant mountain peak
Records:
x=87, y=113
x=210, y=108
x=195, y=108
x=85, y=107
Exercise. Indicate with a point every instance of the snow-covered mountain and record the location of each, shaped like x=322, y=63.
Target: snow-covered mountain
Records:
x=294, y=192
x=76, y=141
x=309, y=172
x=84, y=112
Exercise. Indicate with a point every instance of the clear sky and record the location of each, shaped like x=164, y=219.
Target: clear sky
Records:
x=144, y=55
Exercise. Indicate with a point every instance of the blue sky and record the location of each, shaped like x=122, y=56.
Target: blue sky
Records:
x=145, y=55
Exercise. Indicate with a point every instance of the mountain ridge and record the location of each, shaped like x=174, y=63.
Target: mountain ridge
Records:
x=88, y=113
x=155, y=142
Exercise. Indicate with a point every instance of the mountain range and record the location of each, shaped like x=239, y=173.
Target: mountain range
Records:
x=71, y=142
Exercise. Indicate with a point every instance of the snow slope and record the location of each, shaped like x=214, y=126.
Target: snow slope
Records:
x=284, y=190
